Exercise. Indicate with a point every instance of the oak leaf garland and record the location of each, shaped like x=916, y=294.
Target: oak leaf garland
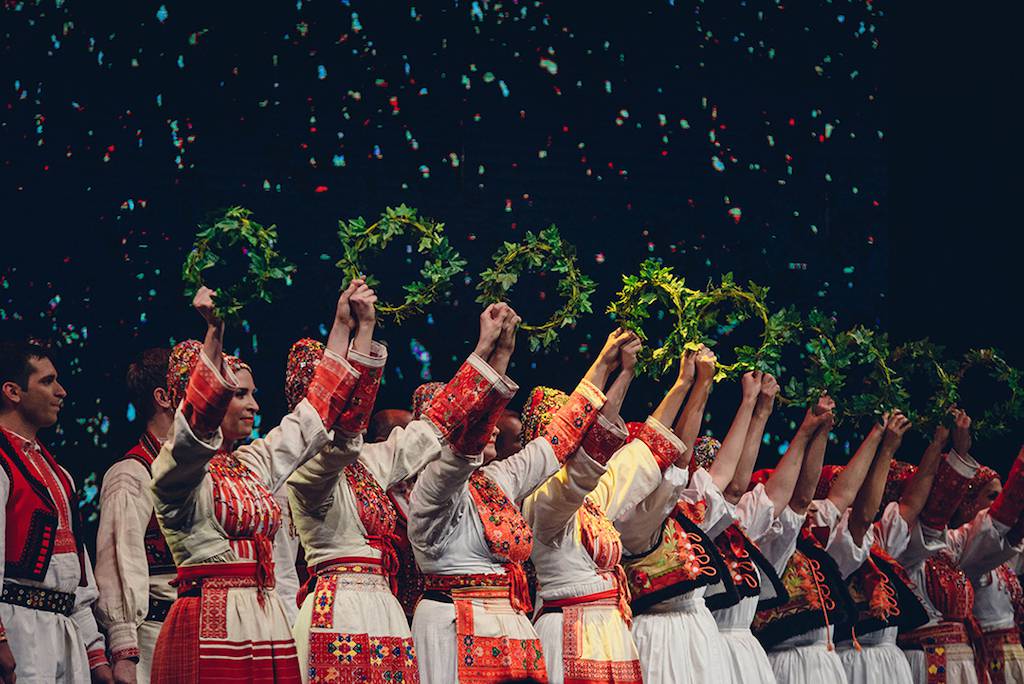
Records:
x=236, y=257
x=442, y=263
x=543, y=251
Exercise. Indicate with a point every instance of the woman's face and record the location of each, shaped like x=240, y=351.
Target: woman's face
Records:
x=242, y=410
x=983, y=500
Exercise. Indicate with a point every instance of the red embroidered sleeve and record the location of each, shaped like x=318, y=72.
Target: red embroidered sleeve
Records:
x=125, y=654
x=950, y=486
x=206, y=398
x=480, y=421
x=603, y=440
x=331, y=386
x=3, y=632
x=663, y=443
x=356, y=416
x=572, y=421
x=97, y=657
x=1010, y=503
x=449, y=409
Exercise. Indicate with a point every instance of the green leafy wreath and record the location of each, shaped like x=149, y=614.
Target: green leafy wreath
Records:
x=700, y=317
x=442, y=265
x=831, y=356
x=245, y=264
x=545, y=251
x=996, y=420
x=925, y=356
x=654, y=283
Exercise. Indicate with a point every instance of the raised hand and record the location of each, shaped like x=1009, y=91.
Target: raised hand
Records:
x=343, y=310
x=941, y=435
x=895, y=427
x=628, y=353
x=821, y=415
x=203, y=302
x=490, y=328
x=609, y=354
x=706, y=364
x=687, y=368
x=344, y=322
x=961, y=431
x=362, y=304
x=766, y=397
x=509, y=326
x=750, y=383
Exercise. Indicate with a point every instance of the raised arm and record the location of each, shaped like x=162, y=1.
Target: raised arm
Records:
x=687, y=428
x=768, y=390
x=819, y=420
x=848, y=483
x=869, y=498
x=667, y=411
x=916, y=491
x=616, y=394
x=335, y=399
x=724, y=468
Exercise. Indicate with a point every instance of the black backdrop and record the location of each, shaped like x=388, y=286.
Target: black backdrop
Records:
x=122, y=127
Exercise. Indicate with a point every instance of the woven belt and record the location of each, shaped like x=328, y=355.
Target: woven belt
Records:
x=942, y=634
x=35, y=598
x=158, y=609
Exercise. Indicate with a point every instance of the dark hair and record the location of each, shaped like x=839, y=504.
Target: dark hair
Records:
x=16, y=360
x=146, y=372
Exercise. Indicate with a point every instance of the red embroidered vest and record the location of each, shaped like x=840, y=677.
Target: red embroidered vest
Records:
x=1008, y=579
x=884, y=597
x=684, y=560
x=948, y=588
x=377, y=514
x=158, y=555
x=410, y=579
x=32, y=515
x=506, y=532
x=817, y=595
x=748, y=569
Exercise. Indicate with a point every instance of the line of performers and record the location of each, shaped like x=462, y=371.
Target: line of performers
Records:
x=461, y=543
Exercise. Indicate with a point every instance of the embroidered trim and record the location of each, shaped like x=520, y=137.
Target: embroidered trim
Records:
x=948, y=491
x=330, y=389
x=338, y=657
x=356, y=416
x=485, y=660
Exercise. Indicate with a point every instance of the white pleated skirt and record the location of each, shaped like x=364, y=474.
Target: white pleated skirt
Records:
x=744, y=653
x=679, y=643
x=806, y=659
x=878, y=660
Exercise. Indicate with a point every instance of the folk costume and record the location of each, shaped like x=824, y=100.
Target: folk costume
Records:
x=134, y=567
x=471, y=540
x=942, y=562
x=799, y=635
x=217, y=511
x=671, y=563
x=884, y=597
x=48, y=586
x=584, y=619
x=755, y=547
x=351, y=626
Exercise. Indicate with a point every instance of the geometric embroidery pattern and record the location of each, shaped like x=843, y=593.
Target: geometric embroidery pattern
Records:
x=338, y=658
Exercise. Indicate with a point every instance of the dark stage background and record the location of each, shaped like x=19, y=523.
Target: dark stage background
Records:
x=727, y=136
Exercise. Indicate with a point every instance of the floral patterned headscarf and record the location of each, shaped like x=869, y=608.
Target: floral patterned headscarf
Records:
x=705, y=449
x=828, y=475
x=184, y=357
x=422, y=396
x=303, y=358
x=539, y=410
